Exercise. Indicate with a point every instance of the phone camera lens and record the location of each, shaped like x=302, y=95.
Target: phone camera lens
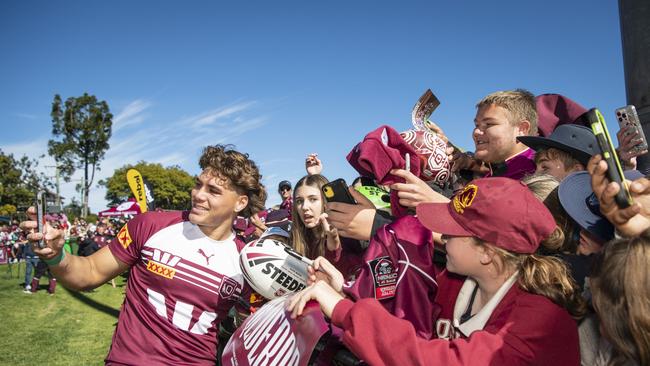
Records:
x=624, y=115
x=620, y=119
x=618, y=113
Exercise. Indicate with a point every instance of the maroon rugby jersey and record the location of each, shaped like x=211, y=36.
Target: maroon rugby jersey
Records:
x=182, y=284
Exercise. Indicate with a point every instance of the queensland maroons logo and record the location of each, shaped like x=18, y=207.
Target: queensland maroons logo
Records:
x=465, y=198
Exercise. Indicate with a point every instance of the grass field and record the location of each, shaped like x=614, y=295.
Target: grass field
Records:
x=67, y=328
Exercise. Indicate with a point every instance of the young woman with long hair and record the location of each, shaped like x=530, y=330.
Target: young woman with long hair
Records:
x=498, y=302
x=312, y=235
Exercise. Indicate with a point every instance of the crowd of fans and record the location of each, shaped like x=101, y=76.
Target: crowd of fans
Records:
x=89, y=237
x=516, y=253
x=582, y=254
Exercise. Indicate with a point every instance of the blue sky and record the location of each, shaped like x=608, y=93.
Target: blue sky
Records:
x=283, y=79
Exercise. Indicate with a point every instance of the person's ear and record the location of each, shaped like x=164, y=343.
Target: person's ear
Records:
x=523, y=128
x=242, y=202
x=577, y=167
x=487, y=255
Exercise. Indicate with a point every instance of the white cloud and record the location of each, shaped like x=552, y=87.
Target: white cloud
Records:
x=26, y=115
x=209, y=117
x=132, y=114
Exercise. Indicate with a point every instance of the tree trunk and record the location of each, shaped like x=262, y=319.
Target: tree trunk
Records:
x=85, y=185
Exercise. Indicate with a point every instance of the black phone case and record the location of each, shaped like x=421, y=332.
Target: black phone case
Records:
x=337, y=191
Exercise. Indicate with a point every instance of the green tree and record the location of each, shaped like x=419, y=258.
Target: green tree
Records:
x=81, y=128
x=171, y=185
x=19, y=180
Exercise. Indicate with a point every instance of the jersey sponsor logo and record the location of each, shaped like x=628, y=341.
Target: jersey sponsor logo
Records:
x=160, y=270
x=465, y=198
x=124, y=237
x=384, y=275
x=163, y=263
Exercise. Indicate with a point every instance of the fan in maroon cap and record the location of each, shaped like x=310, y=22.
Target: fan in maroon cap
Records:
x=499, y=304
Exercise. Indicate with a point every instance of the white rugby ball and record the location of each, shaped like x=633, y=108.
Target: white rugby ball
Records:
x=272, y=268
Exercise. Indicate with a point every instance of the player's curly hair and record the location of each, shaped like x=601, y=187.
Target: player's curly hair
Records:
x=224, y=161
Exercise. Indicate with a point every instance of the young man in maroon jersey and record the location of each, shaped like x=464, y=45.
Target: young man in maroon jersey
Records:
x=185, y=273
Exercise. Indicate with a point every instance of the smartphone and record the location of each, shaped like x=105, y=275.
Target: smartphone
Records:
x=614, y=170
x=627, y=117
x=337, y=191
x=40, y=215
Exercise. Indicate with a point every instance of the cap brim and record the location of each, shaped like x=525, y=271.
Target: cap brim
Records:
x=537, y=142
x=573, y=193
x=437, y=217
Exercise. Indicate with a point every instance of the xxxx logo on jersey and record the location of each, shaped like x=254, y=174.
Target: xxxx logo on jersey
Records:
x=163, y=263
x=161, y=269
x=124, y=237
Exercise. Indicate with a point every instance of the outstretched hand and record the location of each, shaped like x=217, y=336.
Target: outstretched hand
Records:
x=313, y=165
x=630, y=221
x=414, y=191
x=322, y=270
x=333, y=240
x=54, y=239
x=320, y=291
x=353, y=221
x=628, y=139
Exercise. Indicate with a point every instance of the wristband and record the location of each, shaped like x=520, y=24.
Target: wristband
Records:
x=56, y=260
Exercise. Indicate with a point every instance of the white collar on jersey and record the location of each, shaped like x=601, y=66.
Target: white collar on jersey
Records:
x=477, y=322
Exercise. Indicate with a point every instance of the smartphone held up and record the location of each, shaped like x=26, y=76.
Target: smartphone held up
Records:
x=608, y=152
x=40, y=215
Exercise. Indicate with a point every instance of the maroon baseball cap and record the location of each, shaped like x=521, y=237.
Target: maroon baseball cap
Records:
x=501, y=211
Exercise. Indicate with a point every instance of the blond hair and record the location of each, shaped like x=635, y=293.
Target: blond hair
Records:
x=542, y=275
x=519, y=103
x=241, y=173
x=620, y=286
x=308, y=242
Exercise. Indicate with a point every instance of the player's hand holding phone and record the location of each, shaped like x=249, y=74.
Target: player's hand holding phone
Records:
x=47, y=242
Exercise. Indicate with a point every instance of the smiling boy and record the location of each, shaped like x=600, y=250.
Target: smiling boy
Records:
x=185, y=273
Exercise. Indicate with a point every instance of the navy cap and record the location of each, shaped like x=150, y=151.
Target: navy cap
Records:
x=579, y=141
x=284, y=183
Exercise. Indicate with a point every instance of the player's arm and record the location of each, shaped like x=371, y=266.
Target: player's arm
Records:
x=77, y=273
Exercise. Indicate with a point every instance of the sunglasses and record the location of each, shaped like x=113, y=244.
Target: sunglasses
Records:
x=283, y=189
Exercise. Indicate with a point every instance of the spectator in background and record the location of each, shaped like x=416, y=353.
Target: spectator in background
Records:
x=567, y=150
x=31, y=262
x=284, y=189
x=619, y=287
x=43, y=269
